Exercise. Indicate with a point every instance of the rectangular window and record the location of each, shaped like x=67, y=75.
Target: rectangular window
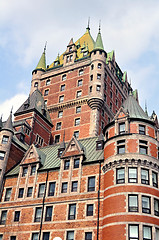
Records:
x=72, y=212
x=1, y=236
x=132, y=175
x=74, y=186
x=8, y=194
x=155, y=179
x=156, y=207
x=80, y=82
x=80, y=72
x=98, y=76
x=38, y=213
x=64, y=187
x=79, y=94
x=60, y=114
x=58, y=126
x=46, y=93
x=121, y=147
x=89, y=209
x=91, y=184
x=76, y=134
x=51, y=189
x=133, y=203
x=147, y=233
x=120, y=177
x=48, y=214
x=88, y=236
x=141, y=129
x=3, y=217
x=13, y=238
x=70, y=235
x=133, y=232
x=21, y=192
x=2, y=154
x=46, y=236
x=146, y=204
x=143, y=147
x=33, y=170
x=121, y=128
x=99, y=65
x=66, y=164
x=98, y=88
x=25, y=170
x=78, y=109
x=48, y=82
x=77, y=121
x=35, y=236
x=61, y=99
x=62, y=87
x=63, y=77
x=105, y=98
x=41, y=190
x=5, y=139
x=57, y=138
x=16, y=216
x=76, y=163
x=29, y=192
x=145, y=176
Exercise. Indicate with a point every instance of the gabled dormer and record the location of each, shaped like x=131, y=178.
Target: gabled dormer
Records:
x=70, y=54
x=121, y=121
x=73, y=148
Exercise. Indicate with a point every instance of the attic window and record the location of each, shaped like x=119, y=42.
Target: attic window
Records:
x=99, y=145
x=85, y=53
x=31, y=154
x=72, y=146
x=26, y=105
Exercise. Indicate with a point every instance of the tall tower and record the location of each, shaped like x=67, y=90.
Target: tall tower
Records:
x=131, y=205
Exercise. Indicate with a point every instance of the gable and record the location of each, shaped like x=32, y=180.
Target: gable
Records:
x=73, y=148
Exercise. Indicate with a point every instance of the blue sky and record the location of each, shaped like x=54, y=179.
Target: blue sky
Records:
x=130, y=27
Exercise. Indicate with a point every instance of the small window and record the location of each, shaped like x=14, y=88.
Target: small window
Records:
x=16, y=216
x=91, y=184
x=38, y=213
x=13, y=238
x=46, y=236
x=25, y=170
x=64, y=77
x=88, y=236
x=76, y=163
x=143, y=147
x=45, y=102
x=111, y=84
x=132, y=175
x=121, y=128
x=79, y=94
x=21, y=192
x=60, y=114
x=102, y=125
x=98, y=88
x=156, y=207
x=99, y=65
x=36, y=84
x=8, y=194
x=111, y=95
x=147, y=233
x=41, y=190
x=35, y=236
x=33, y=170
x=48, y=214
x=70, y=235
x=155, y=179
x=92, y=66
x=46, y=93
x=57, y=138
x=133, y=203
x=89, y=209
x=105, y=98
x=105, y=86
x=58, y=126
x=77, y=121
x=78, y=109
x=61, y=99
x=74, y=186
x=76, y=134
x=62, y=87
x=66, y=164
x=72, y=212
x=3, y=217
x=5, y=139
x=90, y=89
x=120, y=178
x=48, y=82
x=98, y=76
x=121, y=147
x=110, y=106
x=91, y=78
x=29, y=192
x=116, y=92
x=51, y=189
x=80, y=72
x=145, y=176
x=102, y=113
x=67, y=59
x=133, y=232
x=64, y=187
x=141, y=129
x=146, y=204
x=116, y=102
x=80, y=82
x=2, y=154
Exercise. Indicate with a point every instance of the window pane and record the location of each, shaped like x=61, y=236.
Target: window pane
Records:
x=74, y=186
x=144, y=176
x=35, y=236
x=157, y=234
x=2, y=155
x=132, y=174
x=72, y=212
x=51, y=189
x=133, y=203
x=133, y=231
x=91, y=184
x=38, y=214
x=145, y=204
x=41, y=190
x=64, y=188
x=88, y=236
x=90, y=210
x=154, y=179
x=66, y=164
x=147, y=232
x=46, y=236
x=76, y=163
x=121, y=127
x=8, y=194
x=48, y=215
x=70, y=235
x=120, y=175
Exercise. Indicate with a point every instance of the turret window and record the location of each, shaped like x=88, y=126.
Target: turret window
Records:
x=46, y=92
x=143, y=147
x=121, y=128
x=98, y=76
x=99, y=65
x=2, y=154
x=155, y=179
x=145, y=176
x=5, y=139
x=141, y=129
x=120, y=175
x=133, y=232
x=98, y=88
x=132, y=175
x=36, y=84
x=133, y=203
x=121, y=146
x=156, y=207
x=147, y=233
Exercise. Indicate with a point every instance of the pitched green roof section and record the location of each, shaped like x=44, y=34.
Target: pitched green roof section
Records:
x=42, y=62
x=99, y=42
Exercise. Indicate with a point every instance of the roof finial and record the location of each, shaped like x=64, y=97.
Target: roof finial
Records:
x=99, y=25
x=146, y=107
x=45, y=46
x=11, y=110
x=88, y=28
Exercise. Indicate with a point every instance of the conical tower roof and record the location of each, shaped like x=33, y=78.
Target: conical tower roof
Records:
x=133, y=108
x=8, y=124
x=42, y=62
x=99, y=42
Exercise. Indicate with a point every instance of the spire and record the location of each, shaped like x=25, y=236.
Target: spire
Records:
x=8, y=124
x=88, y=28
x=42, y=62
x=146, y=108
x=99, y=42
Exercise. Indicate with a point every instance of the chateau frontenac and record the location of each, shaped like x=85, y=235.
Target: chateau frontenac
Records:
x=79, y=160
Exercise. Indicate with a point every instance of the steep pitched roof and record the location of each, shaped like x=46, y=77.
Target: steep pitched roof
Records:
x=42, y=62
x=8, y=124
x=35, y=102
x=99, y=42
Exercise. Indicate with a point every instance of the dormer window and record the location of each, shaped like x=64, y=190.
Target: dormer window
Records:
x=25, y=170
x=70, y=49
x=66, y=164
x=121, y=128
x=26, y=105
x=85, y=54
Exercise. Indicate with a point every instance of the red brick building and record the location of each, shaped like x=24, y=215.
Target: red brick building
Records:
x=80, y=159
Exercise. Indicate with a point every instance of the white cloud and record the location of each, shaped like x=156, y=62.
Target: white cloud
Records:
x=15, y=102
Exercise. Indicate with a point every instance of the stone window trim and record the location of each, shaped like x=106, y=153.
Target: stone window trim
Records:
x=79, y=82
x=133, y=230
x=64, y=77
x=48, y=82
x=91, y=184
x=120, y=175
x=51, y=188
x=8, y=192
x=133, y=204
x=62, y=87
x=146, y=204
x=77, y=121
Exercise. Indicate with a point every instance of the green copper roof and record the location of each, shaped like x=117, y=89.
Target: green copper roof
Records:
x=99, y=42
x=42, y=62
x=134, y=109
